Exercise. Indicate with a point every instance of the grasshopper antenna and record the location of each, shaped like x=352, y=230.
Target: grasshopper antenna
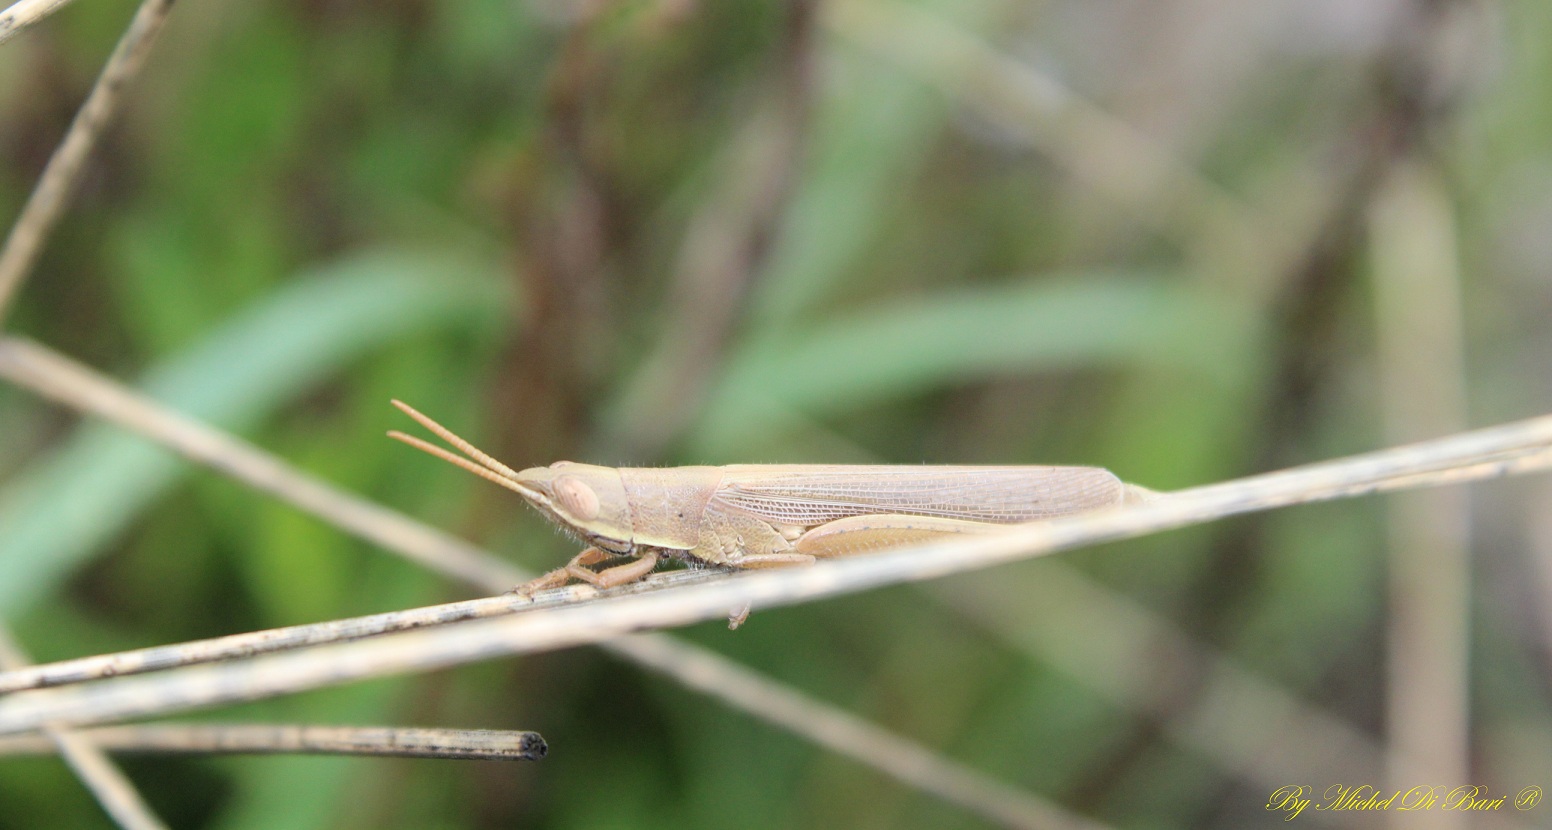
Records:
x=482, y=464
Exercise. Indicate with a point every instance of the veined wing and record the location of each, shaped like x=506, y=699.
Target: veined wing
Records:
x=809, y=495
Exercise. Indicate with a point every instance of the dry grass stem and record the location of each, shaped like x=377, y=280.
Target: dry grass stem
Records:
x=20, y=15
x=107, y=783
x=567, y=626
x=239, y=646
x=51, y=196
x=249, y=739
x=52, y=375
x=1423, y=391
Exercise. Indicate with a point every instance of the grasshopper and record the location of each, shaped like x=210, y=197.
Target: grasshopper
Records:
x=772, y=515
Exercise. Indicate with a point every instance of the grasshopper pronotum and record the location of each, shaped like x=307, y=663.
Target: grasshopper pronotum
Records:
x=772, y=515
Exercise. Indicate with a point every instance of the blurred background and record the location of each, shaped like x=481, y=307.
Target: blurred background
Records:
x=1184, y=240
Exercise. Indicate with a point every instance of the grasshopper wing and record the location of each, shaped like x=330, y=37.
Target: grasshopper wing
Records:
x=811, y=495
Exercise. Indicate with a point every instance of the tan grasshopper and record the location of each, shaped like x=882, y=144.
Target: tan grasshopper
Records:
x=773, y=515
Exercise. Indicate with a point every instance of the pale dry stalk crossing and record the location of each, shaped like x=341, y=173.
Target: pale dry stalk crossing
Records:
x=1239, y=745
x=239, y=646
x=52, y=375
x=1517, y=447
x=705, y=675
x=107, y=783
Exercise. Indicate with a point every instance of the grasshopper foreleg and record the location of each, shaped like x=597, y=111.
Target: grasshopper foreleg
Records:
x=578, y=569
x=611, y=577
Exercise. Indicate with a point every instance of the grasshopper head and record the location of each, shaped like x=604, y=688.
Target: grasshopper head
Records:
x=587, y=500
x=584, y=498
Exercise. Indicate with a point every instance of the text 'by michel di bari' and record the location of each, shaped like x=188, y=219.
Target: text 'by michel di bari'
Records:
x=1294, y=799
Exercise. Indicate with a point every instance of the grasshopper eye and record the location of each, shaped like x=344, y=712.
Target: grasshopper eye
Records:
x=578, y=498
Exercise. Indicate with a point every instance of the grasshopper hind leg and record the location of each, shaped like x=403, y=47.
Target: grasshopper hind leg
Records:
x=868, y=534
x=737, y=616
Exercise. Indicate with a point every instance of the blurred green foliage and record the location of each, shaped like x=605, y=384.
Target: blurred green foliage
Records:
x=483, y=208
